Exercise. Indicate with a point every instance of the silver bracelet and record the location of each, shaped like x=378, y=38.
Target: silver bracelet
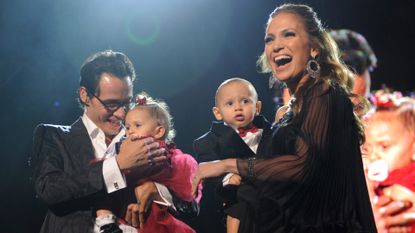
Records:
x=251, y=164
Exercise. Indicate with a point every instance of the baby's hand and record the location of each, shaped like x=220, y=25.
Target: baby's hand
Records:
x=235, y=179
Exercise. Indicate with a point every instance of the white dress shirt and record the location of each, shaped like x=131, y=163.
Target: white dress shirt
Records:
x=252, y=140
x=113, y=177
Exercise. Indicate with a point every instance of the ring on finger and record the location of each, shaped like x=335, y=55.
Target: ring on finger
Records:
x=151, y=156
x=149, y=152
x=151, y=162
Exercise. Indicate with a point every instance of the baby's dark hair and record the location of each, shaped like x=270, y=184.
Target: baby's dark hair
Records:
x=159, y=110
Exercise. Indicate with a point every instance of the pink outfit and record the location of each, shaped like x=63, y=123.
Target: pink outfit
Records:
x=177, y=177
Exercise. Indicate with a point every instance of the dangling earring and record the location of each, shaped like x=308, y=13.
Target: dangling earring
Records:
x=313, y=68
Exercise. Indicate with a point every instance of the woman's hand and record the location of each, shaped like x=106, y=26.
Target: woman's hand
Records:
x=212, y=169
x=235, y=180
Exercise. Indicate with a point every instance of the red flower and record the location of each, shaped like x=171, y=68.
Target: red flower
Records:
x=382, y=101
x=385, y=99
x=140, y=100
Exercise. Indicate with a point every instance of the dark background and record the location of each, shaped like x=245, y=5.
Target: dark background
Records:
x=182, y=51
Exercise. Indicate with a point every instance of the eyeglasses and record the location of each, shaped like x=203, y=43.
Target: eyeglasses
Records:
x=114, y=105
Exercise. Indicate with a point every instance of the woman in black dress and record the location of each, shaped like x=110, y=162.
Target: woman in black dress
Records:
x=312, y=180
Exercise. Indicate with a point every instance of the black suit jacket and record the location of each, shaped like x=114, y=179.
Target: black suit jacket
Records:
x=64, y=177
x=70, y=184
x=222, y=142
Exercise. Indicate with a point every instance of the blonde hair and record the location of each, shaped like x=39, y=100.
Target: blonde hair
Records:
x=403, y=109
x=159, y=111
x=236, y=79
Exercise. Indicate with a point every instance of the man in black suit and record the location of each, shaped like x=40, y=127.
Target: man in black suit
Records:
x=237, y=110
x=74, y=166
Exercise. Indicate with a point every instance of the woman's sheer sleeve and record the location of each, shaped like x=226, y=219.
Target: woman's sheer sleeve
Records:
x=311, y=144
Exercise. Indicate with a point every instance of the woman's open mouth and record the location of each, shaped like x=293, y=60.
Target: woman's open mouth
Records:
x=282, y=60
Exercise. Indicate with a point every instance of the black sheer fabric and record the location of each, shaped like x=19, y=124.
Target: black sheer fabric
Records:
x=313, y=181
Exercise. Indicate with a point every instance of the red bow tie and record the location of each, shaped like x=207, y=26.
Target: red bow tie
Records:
x=243, y=131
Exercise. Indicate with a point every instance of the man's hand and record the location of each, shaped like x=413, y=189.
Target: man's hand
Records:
x=392, y=216
x=145, y=194
x=132, y=214
x=136, y=152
